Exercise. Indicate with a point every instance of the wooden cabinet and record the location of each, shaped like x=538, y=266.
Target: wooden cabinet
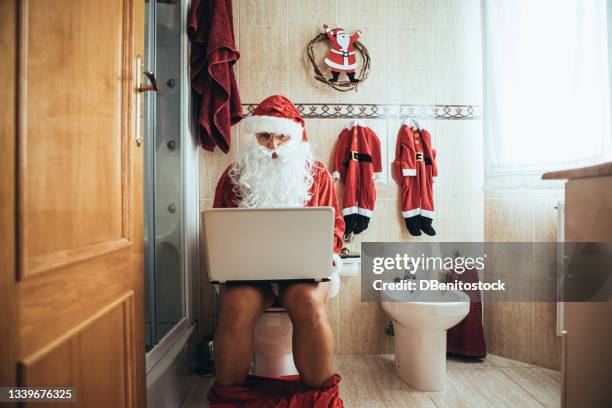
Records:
x=587, y=346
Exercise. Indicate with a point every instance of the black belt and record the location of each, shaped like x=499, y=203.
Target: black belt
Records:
x=360, y=157
x=420, y=157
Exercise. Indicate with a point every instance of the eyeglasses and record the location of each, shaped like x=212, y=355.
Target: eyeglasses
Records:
x=266, y=137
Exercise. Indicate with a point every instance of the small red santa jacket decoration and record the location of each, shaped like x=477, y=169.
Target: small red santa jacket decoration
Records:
x=415, y=169
x=342, y=56
x=358, y=163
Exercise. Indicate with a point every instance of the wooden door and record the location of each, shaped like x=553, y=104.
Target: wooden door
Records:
x=71, y=283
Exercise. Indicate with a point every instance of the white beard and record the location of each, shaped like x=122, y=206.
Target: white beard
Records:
x=343, y=41
x=263, y=182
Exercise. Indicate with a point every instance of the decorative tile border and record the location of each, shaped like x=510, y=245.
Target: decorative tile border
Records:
x=373, y=111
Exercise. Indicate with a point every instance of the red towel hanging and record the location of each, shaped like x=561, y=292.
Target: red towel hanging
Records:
x=467, y=337
x=212, y=57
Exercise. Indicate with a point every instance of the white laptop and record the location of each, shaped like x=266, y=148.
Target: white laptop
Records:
x=268, y=244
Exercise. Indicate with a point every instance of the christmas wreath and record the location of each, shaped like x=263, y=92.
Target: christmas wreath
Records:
x=346, y=85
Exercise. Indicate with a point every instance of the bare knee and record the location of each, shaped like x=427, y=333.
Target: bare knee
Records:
x=304, y=306
x=240, y=307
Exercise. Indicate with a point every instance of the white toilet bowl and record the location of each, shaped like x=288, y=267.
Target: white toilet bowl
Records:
x=273, y=355
x=420, y=327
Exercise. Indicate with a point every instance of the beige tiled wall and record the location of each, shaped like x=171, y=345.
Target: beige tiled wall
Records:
x=423, y=52
x=523, y=331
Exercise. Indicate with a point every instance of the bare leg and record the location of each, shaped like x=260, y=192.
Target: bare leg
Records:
x=241, y=307
x=313, y=342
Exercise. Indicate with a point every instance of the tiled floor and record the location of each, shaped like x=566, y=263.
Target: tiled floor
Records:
x=370, y=381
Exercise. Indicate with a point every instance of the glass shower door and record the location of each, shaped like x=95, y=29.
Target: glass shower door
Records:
x=164, y=264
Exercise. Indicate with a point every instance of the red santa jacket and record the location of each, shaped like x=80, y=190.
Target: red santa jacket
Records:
x=322, y=193
x=415, y=169
x=357, y=162
x=339, y=57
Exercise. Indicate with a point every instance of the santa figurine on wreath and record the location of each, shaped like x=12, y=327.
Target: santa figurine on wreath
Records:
x=342, y=56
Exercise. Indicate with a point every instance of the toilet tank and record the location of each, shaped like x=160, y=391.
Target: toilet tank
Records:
x=350, y=267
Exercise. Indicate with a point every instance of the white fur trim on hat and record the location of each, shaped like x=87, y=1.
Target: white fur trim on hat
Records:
x=280, y=126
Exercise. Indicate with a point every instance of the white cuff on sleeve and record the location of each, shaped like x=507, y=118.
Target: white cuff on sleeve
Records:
x=378, y=176
x=335, y=175
x=408, y=172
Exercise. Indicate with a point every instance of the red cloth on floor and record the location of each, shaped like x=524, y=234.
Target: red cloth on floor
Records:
x=285, y=392
x=213, y=54
x=467, y=337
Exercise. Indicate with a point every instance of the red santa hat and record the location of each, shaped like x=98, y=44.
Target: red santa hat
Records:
x=334, y=31
x=276, y=114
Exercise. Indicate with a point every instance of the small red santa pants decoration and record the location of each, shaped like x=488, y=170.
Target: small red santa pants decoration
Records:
x=358, y=163
x=415, y=168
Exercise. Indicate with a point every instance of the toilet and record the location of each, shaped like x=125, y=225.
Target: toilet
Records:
x=420, y=321
x=273, y=348
x=273, y=355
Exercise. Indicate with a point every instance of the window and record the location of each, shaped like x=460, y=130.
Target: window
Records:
x=547, y=93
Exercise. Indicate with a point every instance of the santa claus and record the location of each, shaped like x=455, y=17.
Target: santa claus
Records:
x=277, y=169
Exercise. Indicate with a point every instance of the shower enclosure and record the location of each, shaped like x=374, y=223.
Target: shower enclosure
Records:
x=171, y=205
x=164, y=299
